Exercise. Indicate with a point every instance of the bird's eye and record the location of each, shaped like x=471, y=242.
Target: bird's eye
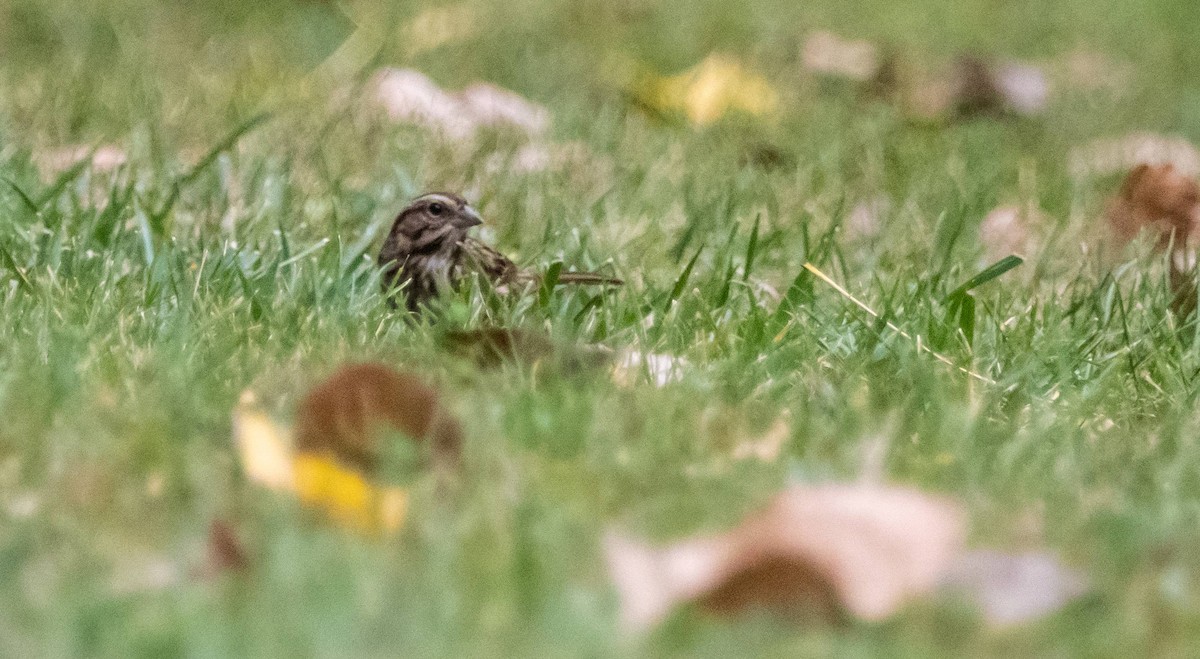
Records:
x=436, y=209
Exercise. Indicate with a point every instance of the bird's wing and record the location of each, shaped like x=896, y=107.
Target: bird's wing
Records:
x=497, y=267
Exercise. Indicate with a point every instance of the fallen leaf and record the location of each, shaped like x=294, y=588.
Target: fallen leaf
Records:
x=340, y=428
x=714, y=87
x=225, y=550
x=410, y=96
x=494, y=106
x=1157, y=198
x=1109, y=156
x=865, y=550
x=264, y=447
x=829, y=54
x=1010, y=589
x=346, y=415
x=347, y=497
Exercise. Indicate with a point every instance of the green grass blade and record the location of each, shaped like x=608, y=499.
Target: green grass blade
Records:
x=989, y=273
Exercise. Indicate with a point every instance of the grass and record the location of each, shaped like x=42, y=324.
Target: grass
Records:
x=234, y=250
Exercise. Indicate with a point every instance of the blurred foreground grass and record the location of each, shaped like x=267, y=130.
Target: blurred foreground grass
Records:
x=150, y=296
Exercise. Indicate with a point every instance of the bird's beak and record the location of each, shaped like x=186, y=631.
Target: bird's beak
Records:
x=468, y=218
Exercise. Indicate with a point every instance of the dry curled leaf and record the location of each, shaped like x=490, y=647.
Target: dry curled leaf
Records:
x=1115, y=155
x=1159, y=199
x=340, y=428
x=347, y=415
x=1011, y=589
x=860, y=549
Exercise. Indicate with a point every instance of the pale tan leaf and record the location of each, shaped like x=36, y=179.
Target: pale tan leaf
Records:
x=409, y=96
x=862, y=549
x=1115, y=155
x=264, y=447
x=490, y=105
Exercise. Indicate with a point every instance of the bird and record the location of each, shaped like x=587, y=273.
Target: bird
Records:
x=429, y=251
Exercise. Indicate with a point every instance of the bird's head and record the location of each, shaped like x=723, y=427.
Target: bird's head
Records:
x=436, y=211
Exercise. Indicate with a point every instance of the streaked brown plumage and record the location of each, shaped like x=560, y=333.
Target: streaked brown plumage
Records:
x=428, y=252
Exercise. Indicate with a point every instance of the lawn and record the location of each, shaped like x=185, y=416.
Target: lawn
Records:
x=222, y=238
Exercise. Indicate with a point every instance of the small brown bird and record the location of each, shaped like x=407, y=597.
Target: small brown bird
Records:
x=428, y=252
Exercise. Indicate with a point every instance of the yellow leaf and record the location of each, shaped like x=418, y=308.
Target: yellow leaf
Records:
x=263, y=447
x=347, y=497
x=714, y=87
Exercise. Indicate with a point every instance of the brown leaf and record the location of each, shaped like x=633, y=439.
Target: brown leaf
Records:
x=1157, y=198
x=860, y=549
x=984, y=87
x=973, y=86
x=344, y=415
x=1014, y=588
x=225, y=550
